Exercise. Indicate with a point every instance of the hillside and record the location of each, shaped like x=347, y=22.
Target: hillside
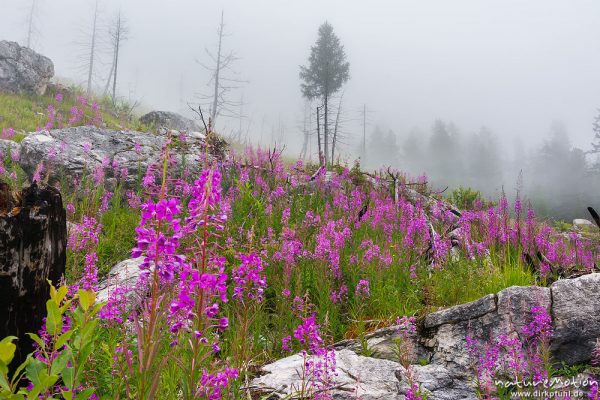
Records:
x=190, y=268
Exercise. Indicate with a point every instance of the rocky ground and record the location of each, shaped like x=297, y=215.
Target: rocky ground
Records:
x=441, y=343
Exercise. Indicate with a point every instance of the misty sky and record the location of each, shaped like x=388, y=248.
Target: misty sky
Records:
x=512, y=65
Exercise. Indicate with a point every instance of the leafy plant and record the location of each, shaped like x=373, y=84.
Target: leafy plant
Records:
x=62, y=354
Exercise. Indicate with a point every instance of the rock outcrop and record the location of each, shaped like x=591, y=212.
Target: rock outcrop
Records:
x=441, y=343
x=576, y=315
x=124, y=276
x=22, y=70
x=170, y=120
x=78, y=150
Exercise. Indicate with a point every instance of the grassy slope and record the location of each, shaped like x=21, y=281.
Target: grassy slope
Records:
x=28, y=113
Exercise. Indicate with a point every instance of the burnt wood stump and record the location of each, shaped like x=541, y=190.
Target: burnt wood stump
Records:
x=33, y=241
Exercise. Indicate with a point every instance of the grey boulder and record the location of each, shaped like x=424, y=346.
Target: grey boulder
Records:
x=576, y=312
x=170, y=120
x=81, y=150
x=22, y=70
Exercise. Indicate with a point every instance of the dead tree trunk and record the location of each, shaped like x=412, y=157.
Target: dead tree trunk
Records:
x=33, y=240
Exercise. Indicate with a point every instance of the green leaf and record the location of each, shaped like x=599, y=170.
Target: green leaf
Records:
x=84, y=299
x=85, y=395
x=60, y=362
x=17, y=374
x=84, y=353
x=7, y=349
x=67, y=377
x=97, y=307
x=4, y=383
x=49, y=380
x=87, y=331
x=62, y=339
x=37, y=339
x=52, y=290
x=65, y=306
x=10, y=396
x=61, y=294
x=54, y=318
x=67, y=394
x=35, y=371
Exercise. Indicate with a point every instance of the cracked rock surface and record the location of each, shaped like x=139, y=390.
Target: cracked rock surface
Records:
x=22, y=70
x=574, y=305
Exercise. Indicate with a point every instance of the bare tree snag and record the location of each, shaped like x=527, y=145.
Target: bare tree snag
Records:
x=33, y=240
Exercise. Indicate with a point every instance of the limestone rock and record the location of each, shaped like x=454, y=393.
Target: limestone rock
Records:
x=124, y=275
x=581, y=223
x=170, y=120
x=482, y=320
x=78, y=150
x=576, y=312
x=358, y=377
x=437, y=381
x=22, y=70
x=462, y=312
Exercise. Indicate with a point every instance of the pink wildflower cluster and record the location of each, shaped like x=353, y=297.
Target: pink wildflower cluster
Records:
x=362, y=289
x=212, y=385
x=85, y=235
x=248, y=278
x=513, y=357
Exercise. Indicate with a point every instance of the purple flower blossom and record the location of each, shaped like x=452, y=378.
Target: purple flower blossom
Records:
x=248, y=278
x=362, y=289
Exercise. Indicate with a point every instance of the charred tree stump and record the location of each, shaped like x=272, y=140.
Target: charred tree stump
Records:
x=33, y=240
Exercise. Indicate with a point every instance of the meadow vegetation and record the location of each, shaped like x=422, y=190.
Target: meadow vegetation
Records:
x=251, y=259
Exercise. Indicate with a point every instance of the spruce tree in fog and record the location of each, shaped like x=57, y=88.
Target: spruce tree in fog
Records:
x=483, y=161
x=596, y=129
x=325, y=74
x=445, y=165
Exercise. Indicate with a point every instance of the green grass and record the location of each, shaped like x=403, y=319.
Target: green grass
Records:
x=28, y=113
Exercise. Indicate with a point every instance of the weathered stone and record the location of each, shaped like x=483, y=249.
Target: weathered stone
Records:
x=76, y=150
x=125, y=275
x=438, y=382
x=462, y=312
x=383, y=344
x=512, y=312
x=574, y=305
x=450, y=345
x=581, y=223
x=576, y=312
x=22, y=70
x=170, y=120
x=514, y=307
x=8, y=147
x=358, y=377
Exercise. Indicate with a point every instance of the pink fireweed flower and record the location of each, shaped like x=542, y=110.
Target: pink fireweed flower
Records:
x=308, y=334
x=39, y=170
x=362, y=289
x=339, y=296
x=85, y=235
x=286, y=343
x=8, y=133
x=249, y=279
x=160, y=247
x=541, y=326
x=90, y=277
x=212, y=384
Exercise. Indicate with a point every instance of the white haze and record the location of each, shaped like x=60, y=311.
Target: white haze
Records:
x=513, y=66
